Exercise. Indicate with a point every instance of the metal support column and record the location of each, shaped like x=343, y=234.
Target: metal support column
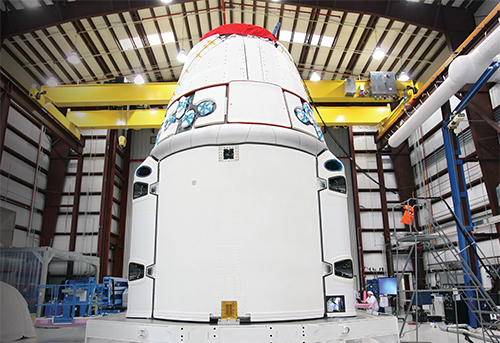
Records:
x=55, y=183
x=119, y=252
x=4, y=113
x=459, y=187
x=107, y=202
x=385, y=215
x=75, y=212
x=460, y=204
x=357, y=216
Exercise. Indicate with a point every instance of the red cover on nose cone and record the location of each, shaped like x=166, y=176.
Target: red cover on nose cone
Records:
x=241, y=29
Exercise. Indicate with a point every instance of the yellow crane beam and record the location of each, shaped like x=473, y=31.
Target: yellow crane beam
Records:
x=159, y=93
x=152, y=118
x=110, y=94
x=330, y=97
x=117, y=119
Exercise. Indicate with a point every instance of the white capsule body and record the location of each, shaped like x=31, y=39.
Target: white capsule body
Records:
x=240, y=202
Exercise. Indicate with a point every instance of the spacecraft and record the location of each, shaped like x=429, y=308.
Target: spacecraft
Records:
x=240, y=211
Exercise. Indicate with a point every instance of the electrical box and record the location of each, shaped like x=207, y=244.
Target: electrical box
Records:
x=350, y=87
x=383, y=83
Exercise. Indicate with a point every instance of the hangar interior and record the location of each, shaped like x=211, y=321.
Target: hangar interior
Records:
x=84, y=90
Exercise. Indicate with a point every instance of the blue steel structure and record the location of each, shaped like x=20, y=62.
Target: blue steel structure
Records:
x=83, y=298
x=459, y=189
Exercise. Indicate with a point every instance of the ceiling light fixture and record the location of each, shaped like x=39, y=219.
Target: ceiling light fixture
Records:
x=181, y=56
x=166, y=1
x=73, y=58
x=315, y=77
x=378, y=53
x=403, y=77
x=139, y=80
x=52, y=82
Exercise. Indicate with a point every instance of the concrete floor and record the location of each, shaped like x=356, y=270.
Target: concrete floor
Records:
x=426, y=334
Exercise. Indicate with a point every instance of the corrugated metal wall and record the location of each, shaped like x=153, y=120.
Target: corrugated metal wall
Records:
x=23, y=179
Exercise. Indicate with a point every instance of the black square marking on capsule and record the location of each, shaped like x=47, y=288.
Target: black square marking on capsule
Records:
x=228, y=154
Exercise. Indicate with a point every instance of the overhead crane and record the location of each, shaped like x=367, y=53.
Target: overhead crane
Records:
x=143, y=106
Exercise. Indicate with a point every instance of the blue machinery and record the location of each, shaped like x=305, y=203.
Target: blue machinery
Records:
x=83, y=298
x=459, y=187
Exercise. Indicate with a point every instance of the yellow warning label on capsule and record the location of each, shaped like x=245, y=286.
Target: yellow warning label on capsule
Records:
x=229, y=310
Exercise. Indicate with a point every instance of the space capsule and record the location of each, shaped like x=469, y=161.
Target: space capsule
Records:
x=240, y=211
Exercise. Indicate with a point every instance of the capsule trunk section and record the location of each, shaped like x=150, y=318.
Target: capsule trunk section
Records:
x=240, y=212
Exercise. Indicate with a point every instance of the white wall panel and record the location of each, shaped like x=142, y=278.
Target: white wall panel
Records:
x=28, y=128
x=115, y=209
x=61, y=242
x=440, y=186
x=41, y=180
x=433, y=142
x=17, y=143
x=94, y=133
x=72, y=166
x=467, y=146
x=373, y=240
x=364, y=143
x=375, y=261
x=91, y=183
x=392, y=197
x=495, y=95
x=366, y=161
x=69, y=184
x=63, y=224
x=15, y=191
x=95, y=146
x=93, y=165
x=415, y=155
x=369, y=200
x=386, y=162
x=90, y=203
x=472, y=171
x=390, y=180
x=491, y=249
x=478, y=196
x=86, y=244
x=119, y=160
x=117, y=192
x=440, y=211
x=66, y=200
x=371, y=220
x=36, y=221
x=14, y=166
x=20, y=239
x=88, y=223
x=114, y=226
x=365, y=183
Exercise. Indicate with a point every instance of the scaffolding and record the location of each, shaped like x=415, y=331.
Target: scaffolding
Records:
x=462, y=282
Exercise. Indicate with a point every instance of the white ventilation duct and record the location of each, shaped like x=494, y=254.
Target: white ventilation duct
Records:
x=463, y=70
